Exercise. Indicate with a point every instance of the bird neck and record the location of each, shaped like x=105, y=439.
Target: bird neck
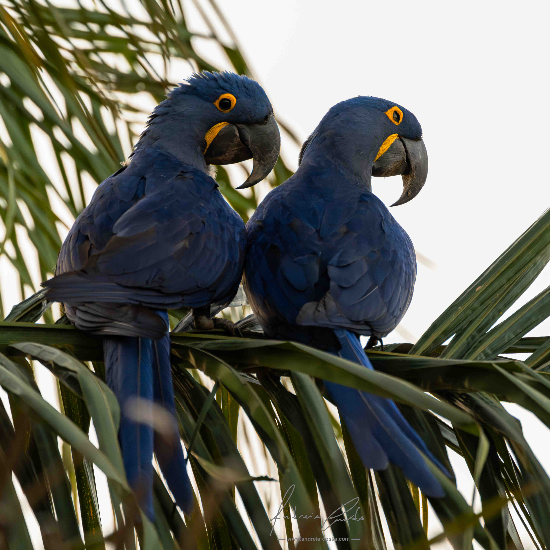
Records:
x=350, y=143
x=352, y=165
x=179, y=132
x=352, y=157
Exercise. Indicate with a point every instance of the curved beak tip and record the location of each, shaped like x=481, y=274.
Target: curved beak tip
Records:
x=264, y=141
x=405, y=197
x=246, y=184
x=410, y=159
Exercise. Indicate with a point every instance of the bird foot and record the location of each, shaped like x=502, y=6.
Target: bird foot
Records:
x=227, y=326
x=373, y=341
x=203, y=322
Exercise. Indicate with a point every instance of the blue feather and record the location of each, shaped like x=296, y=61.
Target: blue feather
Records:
x=378, y=429
x=139, y=368
x=170, y=458
x=129, y=373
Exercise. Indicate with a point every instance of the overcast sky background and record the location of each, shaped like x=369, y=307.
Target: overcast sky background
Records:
x=474, y=74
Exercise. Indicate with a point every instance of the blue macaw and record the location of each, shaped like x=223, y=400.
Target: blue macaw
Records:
x=327, y=262
x=158, y=235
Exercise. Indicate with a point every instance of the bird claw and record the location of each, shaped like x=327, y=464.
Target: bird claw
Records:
x=203, y=322
x=373, y=341
x=227, y=326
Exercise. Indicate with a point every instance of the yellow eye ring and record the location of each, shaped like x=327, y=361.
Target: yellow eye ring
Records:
x=395, y=114
x=225, y=102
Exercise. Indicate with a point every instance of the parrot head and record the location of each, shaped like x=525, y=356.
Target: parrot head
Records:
x=217, y=118
x=373, y=136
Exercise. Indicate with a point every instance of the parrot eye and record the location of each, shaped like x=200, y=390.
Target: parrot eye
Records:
x=395, y=114
x=225, y=102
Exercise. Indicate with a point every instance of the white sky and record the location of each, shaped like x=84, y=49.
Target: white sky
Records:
x=474, y=74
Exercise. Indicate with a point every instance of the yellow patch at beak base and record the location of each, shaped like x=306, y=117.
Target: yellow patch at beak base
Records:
x=385, y=146
x=213, y=132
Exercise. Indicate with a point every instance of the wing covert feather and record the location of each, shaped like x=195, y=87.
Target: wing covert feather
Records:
x=339, y=262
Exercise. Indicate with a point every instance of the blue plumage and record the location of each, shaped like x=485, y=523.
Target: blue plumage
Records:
x=129, y=373
x=138, y=371
x=326, y=261
x=377, y=427
x=157, y=235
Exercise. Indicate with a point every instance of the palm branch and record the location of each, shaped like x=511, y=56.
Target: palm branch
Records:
x=79, y=77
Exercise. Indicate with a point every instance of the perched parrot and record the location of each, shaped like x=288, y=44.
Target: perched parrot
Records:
x=326, y=262
x=158, y=235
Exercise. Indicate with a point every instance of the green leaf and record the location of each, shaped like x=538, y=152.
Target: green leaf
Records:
x=76, y=410
x=60, y=424
x=58, y=482
x=15, y=528
x=214, y=496
x=374, y=534
x=512, y=329
x=342, y=493
x=399, y=508
x=540, y=356
x=255, y=410
x=296, y=357
x=29, y=310
x=492, y=293
x=99, y=399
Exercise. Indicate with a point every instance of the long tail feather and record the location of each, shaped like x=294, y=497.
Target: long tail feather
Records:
x=168, y=449
x=379, y=431
x=129, y=373
x=138, y=371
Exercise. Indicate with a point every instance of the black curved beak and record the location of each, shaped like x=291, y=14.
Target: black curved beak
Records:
x=237, y=142
x=410, y=159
